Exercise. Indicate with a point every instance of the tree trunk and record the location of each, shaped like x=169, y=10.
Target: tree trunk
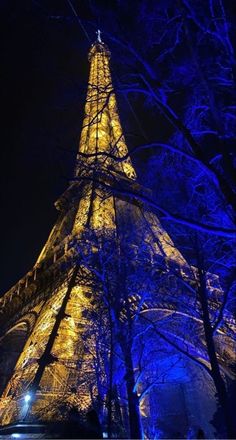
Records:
x=110, y=389
x=215, y=370
x=47, y=356
x=133, y=401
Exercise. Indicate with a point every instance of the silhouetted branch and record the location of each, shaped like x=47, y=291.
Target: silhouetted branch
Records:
x=165, y=214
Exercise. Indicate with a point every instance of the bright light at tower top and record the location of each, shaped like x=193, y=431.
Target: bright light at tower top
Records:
x=27, y=397
x=99, y=36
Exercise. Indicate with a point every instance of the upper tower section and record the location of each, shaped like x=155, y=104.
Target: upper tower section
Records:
x=101, y=130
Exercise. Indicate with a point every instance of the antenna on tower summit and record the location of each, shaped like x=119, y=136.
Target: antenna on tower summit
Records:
x=98, y=32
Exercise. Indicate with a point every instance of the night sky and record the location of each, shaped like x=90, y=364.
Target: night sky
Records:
x=43, y=77
x=44, y=73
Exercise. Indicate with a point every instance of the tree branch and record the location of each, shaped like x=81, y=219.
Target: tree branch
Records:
x=165, y=214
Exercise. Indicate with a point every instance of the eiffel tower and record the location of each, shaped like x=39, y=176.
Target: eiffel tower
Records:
x=47, y=337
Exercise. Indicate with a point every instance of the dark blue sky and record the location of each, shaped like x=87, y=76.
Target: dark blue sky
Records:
x=43, y=74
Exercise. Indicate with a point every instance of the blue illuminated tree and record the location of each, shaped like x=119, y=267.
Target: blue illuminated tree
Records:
x=175, y=62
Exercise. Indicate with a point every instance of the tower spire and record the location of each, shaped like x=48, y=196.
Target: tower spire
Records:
x=102, y=135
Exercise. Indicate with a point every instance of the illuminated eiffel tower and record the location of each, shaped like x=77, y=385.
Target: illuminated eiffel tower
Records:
x=45, y=367
x=42, y=315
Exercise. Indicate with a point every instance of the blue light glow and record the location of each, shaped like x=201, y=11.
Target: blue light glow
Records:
x=27, y=398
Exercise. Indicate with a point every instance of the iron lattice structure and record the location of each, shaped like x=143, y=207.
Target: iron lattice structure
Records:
x=49, y=310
